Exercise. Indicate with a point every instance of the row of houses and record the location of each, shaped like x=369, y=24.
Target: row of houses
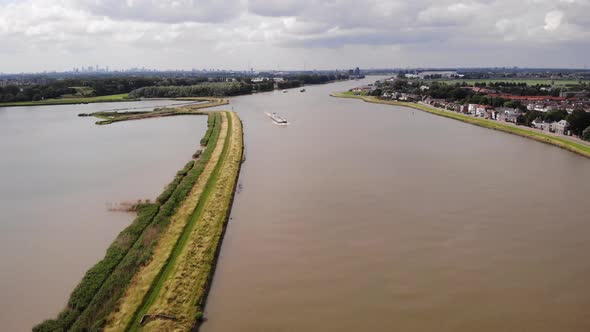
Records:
x=504, y=114
x=575, y=100
x=558, y=127
x=569, y=105
x=401, y=96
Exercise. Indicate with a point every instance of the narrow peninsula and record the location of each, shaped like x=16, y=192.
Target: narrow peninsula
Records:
x=155, y=275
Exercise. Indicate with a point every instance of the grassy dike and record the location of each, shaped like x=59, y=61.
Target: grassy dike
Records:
x=100, y=290
x=143, y=281
x=564, y=143
x=178, y=292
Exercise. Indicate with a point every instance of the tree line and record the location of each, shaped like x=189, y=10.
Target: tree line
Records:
x=207, y=89
x=12, y=93
x=216, y=89
x=94, y=86
x=295, y=81
x=59, y=88
x=102, y=86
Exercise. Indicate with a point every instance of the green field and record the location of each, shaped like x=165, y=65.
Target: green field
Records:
x=71, y=100
x=511, y=80
x=579, y=148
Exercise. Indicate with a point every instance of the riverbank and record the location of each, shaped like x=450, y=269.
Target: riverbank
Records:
x=579, y=148
x=69, y=101
x=105, y=289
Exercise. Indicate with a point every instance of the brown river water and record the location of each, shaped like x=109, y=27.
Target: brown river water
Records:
x=365, y=217
x=58, y=173
x=356, y=217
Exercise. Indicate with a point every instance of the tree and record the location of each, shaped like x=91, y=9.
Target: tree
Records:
x=531, y=116
x=400, y=84
x=8, y=97
x=586, y=134
x=376, y=92
x=513, y=104
x=579, y=120
x=20, y=97
x=555, y=115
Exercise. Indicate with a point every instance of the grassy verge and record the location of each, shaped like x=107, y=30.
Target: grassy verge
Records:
x=180, y=289
x=99, y=291
x=564, y=143
x=67, y=101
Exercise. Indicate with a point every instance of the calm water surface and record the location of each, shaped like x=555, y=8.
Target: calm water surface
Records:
x=58, y=172
x=364, y=217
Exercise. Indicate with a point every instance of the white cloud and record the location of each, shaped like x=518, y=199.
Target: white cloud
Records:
x=231, y=33
x=553, y=20
x=453, y=14
x=169, y=11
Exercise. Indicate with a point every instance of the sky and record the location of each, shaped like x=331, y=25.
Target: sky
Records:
x=38, y=35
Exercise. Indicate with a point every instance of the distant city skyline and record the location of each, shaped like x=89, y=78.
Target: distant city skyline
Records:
x=98, y=69
x=43, y=35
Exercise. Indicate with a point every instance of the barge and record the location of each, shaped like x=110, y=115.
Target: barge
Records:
x=277, y=119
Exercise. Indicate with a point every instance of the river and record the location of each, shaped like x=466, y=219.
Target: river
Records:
x=366, y=217
x=58, y=175
x=356, y=217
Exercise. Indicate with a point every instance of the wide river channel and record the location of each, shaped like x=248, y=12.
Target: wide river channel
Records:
x=365, y=217
x=355, y=217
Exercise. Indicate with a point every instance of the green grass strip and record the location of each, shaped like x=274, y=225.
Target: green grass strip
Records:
x=154, y=291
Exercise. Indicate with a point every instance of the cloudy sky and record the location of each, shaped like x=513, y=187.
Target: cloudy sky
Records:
x=38, y=35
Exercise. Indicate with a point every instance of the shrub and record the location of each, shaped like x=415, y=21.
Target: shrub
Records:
x=213, y=117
